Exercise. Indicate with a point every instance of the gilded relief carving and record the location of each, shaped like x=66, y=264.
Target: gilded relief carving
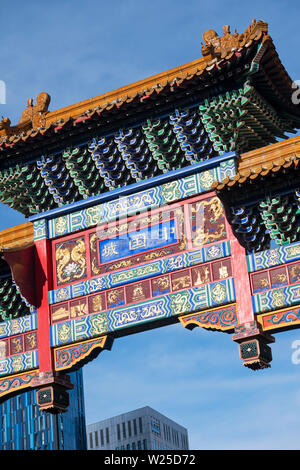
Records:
x=208, y=223
x=30, y=341
x=78, y=308
x=16, y=345
x=181, y=281
x=96, y=303
x=202, y=276
x=60, y=313
x=70, y=260
x=295, y=273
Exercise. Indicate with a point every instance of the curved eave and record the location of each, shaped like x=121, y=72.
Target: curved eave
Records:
x=16, y=237
x=138, y=97
x=262, y=162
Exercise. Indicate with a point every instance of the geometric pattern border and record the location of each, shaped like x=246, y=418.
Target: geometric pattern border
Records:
x=273, y=257
x=162, y=307
x=18, y=325
x=19, y=363
x=276, y=298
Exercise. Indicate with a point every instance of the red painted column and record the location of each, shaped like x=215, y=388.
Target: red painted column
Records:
x=241, y=279
x=43, y=281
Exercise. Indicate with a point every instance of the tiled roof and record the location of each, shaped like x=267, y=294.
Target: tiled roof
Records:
x=163, y=89
x=264, y=161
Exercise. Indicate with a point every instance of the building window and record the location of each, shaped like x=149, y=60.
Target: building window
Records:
x=145, y=444
x=133, y=446
x=35, y=425
x=118, y=432
x=35, y=411
x=134, y=427
x=96, y=439
x=129, y=428
x=107, y=435
x=36, y=441
x=91, y=440
x=102, y=437
x=124, y=430
x=128, y=447
x=155, y=426
x=141, y=425
x=139, y=445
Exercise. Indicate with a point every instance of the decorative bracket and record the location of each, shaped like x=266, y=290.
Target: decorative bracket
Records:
x=52, y=395
x=253, y=345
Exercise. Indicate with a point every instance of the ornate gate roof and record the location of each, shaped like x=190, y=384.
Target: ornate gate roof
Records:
x=237, y=97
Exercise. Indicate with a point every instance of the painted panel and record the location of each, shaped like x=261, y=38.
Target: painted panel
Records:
x=139, y=241
x=142, y=290
x=207, y=221
x=70, y=258
x=151, y=269
x=169, y=219
x=157, y=308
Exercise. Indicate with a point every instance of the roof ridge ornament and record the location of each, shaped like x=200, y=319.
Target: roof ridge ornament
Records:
x=35, y=114
x=32, y=117
x=220, y=46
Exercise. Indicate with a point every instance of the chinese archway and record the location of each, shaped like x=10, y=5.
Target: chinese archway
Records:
x=173, y=199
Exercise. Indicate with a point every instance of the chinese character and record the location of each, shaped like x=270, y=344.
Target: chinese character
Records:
x=139, y=241
x=110, y=249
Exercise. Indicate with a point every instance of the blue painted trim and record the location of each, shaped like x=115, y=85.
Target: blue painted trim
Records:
x=136, y=187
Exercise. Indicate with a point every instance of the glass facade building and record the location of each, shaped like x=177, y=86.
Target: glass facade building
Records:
x=25, y=427
x=141, y=429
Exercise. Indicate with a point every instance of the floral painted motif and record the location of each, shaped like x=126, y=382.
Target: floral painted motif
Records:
x=70, y=260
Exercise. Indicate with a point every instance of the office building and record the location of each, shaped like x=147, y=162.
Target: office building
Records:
x=141, y=429
x=25, y=427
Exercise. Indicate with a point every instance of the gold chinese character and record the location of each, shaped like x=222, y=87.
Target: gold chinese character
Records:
x=139, y=241
x=110, y=249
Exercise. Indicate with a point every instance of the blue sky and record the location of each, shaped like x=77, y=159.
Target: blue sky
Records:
x=75, y=50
